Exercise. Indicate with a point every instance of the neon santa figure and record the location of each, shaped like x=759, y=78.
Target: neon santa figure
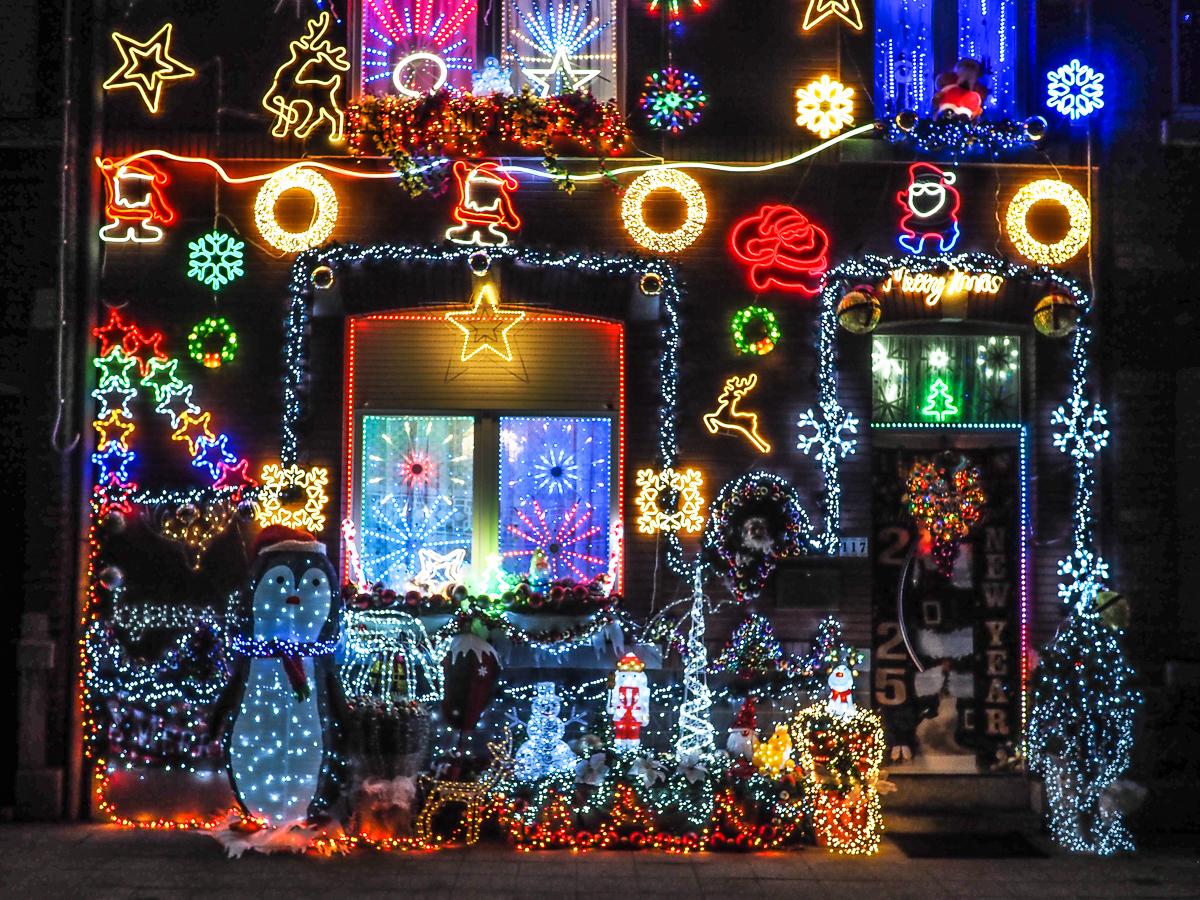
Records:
x=629, y=702
x=134, y=203
x=485, y=210
x=929, y=209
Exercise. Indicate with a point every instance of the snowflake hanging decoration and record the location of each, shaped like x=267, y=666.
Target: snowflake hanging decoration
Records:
x=1075, y=90
x=215, y=259
x=565, y=542
x=672, y=100
x=675, y=8
x=1084, y=434
x=556, y=471
x=828, y=432
x=1084, y=573
x=417, y=469
x=825, y=107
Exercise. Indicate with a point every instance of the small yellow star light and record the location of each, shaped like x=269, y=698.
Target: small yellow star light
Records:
x=275, y=480
x=146, y=66
x=820, y=10
x=485, y=326
x=825, y=107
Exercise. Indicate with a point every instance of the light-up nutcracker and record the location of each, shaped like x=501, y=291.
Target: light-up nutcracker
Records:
x=629, y=702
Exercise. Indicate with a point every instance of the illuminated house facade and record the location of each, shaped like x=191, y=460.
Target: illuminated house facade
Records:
x=414, y=276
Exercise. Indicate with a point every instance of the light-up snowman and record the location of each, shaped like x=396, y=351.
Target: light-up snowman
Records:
x=841, y=688
x=544, y=750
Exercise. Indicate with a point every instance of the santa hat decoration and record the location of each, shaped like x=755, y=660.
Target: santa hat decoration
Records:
x=747, y=718
x=927, y=173
x=281, y=538
x=630, y=663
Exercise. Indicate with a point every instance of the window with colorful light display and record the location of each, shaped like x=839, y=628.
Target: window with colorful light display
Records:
x=413, y=47
x=416, y=496
x=562, y=46
x=946, y=379
x=555, y=496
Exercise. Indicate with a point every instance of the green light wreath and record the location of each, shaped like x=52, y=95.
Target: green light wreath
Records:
x=766, y=322
x=213, y=342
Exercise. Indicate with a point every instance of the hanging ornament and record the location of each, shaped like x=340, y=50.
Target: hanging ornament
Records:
x=111, y=578
x=672, y=100
x=859, y=310
x=946, y=500
x=1056, y=315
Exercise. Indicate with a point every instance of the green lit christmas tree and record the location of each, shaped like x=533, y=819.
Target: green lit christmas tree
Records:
x=939, y=404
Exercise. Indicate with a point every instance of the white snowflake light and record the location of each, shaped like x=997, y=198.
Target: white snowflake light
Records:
x=1084, y=433
x=215, y=259
x=1084, y=575
x=828, y=432
x=1075, y=90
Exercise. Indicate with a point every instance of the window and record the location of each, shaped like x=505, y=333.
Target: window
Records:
x=556, y=494
x=909, y=52
x=427, y=496
x=417, y=477
x=946, y=379
x=561, y=45
x=392, y=31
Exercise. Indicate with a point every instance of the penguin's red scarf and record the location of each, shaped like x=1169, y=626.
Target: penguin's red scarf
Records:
x=290, y=653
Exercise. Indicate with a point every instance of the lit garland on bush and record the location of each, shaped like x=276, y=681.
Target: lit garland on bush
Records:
x=673, y=100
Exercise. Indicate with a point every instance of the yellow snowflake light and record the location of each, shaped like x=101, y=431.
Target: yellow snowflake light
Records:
x=652, y=517
x=275, y=480
x=825, y=107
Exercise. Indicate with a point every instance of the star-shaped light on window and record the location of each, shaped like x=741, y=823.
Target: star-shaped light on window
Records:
x=569, y=78
x=485, y=326
x=193, y=429
x=114, y=428
x=439, y=570
x=147, y=66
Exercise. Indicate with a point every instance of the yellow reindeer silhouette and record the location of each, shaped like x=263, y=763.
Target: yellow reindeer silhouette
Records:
x=745, y=423
x=313, y=70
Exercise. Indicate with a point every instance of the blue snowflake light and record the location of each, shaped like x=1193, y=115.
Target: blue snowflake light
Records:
x=1084, y=433
x=215, y=259
x=1075, y=90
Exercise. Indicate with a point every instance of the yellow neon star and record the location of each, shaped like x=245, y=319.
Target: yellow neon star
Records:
x=820, y=10
x=485, y=330
x=573, y=79
x=113, y=422
x=192, y=429
x=146, y=65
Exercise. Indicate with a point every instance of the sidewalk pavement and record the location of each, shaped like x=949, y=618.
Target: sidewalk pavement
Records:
x=104, y=861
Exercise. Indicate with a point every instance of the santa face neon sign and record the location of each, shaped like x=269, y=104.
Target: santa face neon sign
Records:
x=929, y=209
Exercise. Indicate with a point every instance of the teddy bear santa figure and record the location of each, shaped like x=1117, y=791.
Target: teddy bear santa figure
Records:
x=629, y=702
x=959, y=93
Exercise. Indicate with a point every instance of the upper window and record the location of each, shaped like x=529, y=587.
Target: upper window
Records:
x=909, y=63
x=559, y=46
x=945, y=379
x=416, y=45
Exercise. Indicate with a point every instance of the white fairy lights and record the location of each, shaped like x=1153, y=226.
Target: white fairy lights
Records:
x=325, y=209
x=633, y=212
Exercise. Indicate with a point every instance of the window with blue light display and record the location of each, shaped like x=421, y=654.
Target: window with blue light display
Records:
x=908, y=53
x=416, y=487
x=555, y=495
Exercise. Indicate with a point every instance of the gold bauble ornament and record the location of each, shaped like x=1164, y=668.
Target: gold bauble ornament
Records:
x=1056, y=315
x=859, y=312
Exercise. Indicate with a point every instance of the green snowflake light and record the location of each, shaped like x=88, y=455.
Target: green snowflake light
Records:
x=215, y=259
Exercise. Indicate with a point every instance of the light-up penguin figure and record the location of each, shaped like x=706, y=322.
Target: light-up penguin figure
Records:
x=280, y=713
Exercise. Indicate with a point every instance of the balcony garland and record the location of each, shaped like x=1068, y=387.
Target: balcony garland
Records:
x=452, y=124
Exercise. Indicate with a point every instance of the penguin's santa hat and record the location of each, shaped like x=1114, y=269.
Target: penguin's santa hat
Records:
x=282, y=539
x=747, y=719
